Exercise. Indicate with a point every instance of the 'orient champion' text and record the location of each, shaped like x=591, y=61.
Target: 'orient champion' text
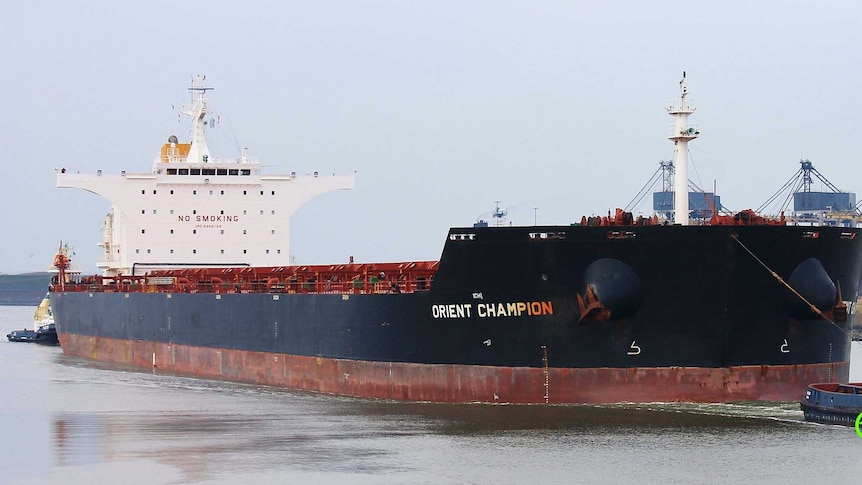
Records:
x=492, y=310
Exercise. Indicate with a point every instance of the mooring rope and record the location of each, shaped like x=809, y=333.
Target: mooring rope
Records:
x=787, y=285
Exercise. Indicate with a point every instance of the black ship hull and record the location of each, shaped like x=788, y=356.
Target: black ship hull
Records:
x=523, y=314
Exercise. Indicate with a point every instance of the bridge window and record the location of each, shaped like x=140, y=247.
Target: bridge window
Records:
x=245, y=171
x=196, y=171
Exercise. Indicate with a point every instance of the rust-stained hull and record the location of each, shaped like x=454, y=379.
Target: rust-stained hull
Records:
x=675, y=313
x=464, y=383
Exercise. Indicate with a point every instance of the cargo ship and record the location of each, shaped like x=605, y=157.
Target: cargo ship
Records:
x=195, y=280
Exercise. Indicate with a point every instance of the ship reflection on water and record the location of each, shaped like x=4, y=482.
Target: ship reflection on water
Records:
x=206, y=445
x=307, y=434
x=152, y=427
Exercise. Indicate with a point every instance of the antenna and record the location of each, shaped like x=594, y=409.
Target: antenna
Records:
x=199, y=151
x=498, y=213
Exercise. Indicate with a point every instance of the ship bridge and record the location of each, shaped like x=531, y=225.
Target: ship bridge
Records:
x=194, y=210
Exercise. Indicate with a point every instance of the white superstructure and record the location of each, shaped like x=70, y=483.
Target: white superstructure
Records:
x=43, y=317
x=193, y=210
x=682, y=133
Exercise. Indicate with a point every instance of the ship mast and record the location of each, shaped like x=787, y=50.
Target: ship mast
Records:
x=199, y=152
x=680, y=109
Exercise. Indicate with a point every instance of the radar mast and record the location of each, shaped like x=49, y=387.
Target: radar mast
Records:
x=682, y=133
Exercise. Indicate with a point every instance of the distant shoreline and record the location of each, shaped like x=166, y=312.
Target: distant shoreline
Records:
x=25, y=289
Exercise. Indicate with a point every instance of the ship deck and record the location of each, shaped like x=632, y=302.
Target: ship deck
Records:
x=362, y=278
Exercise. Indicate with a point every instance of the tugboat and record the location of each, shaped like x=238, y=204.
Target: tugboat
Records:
x=833, y=403
x=43, y=323
x=43, y=331
x=25, y=335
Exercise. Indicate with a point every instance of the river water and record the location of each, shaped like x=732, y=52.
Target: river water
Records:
x=70, y=420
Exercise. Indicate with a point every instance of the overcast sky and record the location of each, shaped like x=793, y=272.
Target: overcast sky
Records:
x=441, y=107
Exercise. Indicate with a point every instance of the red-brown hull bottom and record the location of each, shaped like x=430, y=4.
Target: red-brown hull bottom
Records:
x=465, y=383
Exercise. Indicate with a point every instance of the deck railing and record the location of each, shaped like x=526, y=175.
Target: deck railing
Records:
x=332, y=279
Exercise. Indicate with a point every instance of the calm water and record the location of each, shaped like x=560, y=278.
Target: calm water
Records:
x=73, y=421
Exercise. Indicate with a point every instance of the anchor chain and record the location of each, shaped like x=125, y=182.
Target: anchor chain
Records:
x=787, y=285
